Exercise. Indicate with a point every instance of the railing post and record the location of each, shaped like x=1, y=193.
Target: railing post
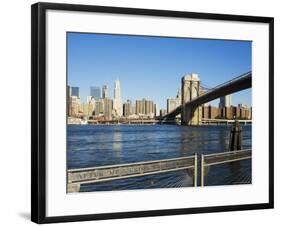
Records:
x=235, y=141
x=202, y=170
x=195, y=171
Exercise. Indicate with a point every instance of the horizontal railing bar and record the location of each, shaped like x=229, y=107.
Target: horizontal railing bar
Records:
x=227, y=161
x=115, y=172
x=136, y=169
x=227, y=153
x=129, y=164
x=131, y=176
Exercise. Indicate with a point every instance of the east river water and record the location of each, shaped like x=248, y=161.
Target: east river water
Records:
x=99, y=145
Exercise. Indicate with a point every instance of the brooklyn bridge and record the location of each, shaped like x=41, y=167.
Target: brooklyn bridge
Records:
x=194, y=94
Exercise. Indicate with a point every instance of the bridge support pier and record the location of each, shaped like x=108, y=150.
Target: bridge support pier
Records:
x=191, y=116
x=190, y=89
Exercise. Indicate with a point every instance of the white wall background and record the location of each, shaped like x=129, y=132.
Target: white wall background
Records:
x=15, y=111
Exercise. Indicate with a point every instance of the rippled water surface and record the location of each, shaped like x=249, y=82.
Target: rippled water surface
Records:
x=98, y=145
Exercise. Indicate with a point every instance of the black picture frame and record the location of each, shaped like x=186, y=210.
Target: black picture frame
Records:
x=38, y=111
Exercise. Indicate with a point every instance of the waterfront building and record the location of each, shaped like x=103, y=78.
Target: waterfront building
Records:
x=105, y=92
x=99, y=107
x=127, y=108
x=86, y=109
x=149, y=108
x=140, y=108
x=74, y=106
x=225, y=101
x=173, y=103
x=74, y=91
x=244, y=111
x=210, y=112
x=95, y=92
x=145, y=108
x=108, y=106
x=250, y=113
x=229, y=112
x=214, y=112
x=89, y=106
x=90, y=99
x=117, y=102
x=163, y=112
x=205, y=112
x=67, y=100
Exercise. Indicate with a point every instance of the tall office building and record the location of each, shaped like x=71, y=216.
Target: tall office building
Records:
x=87, y=109
x=145, y=108
x=149, y=108
x=105, y=93
x=74, y=91
x=225, y=101
x=74, y=106
x=95, y=92
x=117, y=102
x=99, y=107
x=140, y=107
x=90, y=105
x=127, y=108
x=108, y=104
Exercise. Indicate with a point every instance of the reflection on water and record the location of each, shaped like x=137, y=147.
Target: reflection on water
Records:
x=117, y=143
x=89, y=146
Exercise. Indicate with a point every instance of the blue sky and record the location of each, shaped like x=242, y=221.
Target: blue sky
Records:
x=152, y=67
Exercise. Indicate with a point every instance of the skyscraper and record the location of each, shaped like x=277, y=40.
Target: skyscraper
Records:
x=99, y=107
x=108, y=109
x=105, y=93
x=95, y=92
x=145, y=108
x=225, y=101
x=74, y=106
x=117, y=102
x=74, y=91
x=140, y=107
x=127, y=108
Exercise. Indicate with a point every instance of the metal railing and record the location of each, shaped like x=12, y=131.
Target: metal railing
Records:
x=76, y=177
x=222, y=158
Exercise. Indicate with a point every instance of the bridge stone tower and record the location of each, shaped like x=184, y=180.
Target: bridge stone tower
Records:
x=190, y=89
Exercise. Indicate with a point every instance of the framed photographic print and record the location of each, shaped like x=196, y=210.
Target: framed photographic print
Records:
x=139, y=112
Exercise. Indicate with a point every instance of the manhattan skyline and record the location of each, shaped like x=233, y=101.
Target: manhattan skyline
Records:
x=151, y=67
